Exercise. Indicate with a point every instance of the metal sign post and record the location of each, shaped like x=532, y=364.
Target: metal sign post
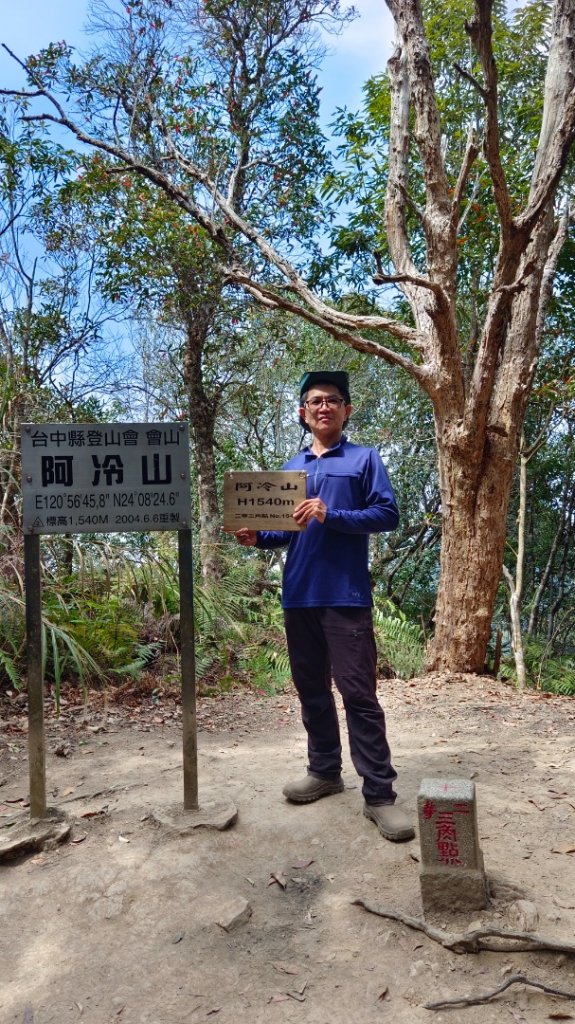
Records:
x=36, y=743
x=188, y=669
x=105, y=478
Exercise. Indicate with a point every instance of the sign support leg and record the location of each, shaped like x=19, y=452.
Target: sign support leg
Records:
x=36, y=741
x=189, y=722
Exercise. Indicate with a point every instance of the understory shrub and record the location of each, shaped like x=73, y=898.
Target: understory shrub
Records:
x=116, y=615
x=400, y=643
x=545, y=671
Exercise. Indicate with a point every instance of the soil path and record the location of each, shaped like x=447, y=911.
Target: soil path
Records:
x=120, y=923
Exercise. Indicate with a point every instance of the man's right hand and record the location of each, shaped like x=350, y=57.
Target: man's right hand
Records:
x=247, y=538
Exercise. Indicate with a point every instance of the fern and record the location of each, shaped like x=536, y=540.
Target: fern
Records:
x=545, y=672
x=141, y=658
x=12, y=637
x=400, y=643
x=265, y=668
x=9, y=667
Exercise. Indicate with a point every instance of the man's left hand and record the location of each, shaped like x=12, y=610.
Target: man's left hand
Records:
x=311, y=508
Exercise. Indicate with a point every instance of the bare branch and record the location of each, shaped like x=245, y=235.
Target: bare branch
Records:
x=549, y=271
x=558, y=120
x=471, y=79
x=409, y=20
x=12, y=92
x=334, y=322
x=469, y=204
x=471, y=153
x=545, y=184
x=480, y=31
x=419, y=213
x=509, y=578
x=398, y=152
x=326, y=316
x=419, y=282
x=293, y=279
x=177, y=194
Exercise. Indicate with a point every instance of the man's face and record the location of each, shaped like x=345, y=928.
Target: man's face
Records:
x=324, y=410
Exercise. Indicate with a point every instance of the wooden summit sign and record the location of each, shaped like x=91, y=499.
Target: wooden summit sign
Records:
x=263, y=501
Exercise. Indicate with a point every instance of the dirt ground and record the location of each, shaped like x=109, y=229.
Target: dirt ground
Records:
x=120, y=922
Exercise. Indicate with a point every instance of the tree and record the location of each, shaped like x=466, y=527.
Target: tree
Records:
x=50, y=313
x=232, y=83
x=150, y=257
x=478, y=383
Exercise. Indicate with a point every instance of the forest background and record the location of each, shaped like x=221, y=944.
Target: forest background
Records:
x=115, y=305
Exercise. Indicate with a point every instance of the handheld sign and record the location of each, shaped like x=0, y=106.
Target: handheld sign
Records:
x=263, y=501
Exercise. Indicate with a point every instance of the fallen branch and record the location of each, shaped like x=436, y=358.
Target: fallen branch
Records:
x=516, y=979
x=477, y=940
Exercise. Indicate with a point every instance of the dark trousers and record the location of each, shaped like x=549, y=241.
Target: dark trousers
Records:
x=339, y=642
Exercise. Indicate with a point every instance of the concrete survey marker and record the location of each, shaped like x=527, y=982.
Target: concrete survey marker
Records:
x=452, y=876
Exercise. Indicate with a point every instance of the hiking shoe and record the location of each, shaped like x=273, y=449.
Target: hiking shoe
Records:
x=305, y=791
x=391, y=821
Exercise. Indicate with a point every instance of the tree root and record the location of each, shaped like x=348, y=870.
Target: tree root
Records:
x=516, y=979
x=477, y=940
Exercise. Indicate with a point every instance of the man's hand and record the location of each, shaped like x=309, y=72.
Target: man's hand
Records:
x=247, y=538
x=311, y=508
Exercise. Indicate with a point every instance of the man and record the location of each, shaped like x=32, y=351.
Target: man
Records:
x=326, y=596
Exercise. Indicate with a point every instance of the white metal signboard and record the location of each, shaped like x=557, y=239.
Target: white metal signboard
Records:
x=105, y=477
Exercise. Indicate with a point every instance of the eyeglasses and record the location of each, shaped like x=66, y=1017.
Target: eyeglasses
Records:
x=332, y=402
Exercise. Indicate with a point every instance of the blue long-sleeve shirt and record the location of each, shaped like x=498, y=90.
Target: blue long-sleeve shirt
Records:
x=327, y=563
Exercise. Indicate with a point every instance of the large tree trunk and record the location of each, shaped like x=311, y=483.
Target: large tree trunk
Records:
x=474, y=507
x=477, y=458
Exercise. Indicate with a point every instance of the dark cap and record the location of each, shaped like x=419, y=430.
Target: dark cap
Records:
x=339, y=379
